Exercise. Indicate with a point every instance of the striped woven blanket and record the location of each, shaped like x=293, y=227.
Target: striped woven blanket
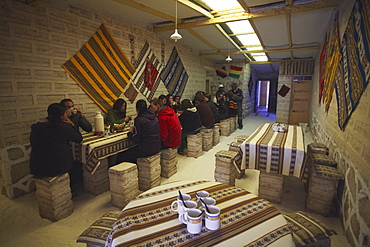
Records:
x=275, y=152
x=101, y=68
x=246, y=220
x=93, y=148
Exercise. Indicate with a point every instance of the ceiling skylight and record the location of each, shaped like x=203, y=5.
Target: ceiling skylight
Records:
x=242, y=30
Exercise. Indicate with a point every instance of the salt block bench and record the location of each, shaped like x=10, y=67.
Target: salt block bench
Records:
x=96, y=235
x=124, y=183
x=308, y=231
x=149, y=171
x=54, y=197
x=168, y=162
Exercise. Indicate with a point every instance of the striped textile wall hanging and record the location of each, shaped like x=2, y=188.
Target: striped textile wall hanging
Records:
x=174, y=75
x=101, y=68
x=353, y=74
x=146, y=77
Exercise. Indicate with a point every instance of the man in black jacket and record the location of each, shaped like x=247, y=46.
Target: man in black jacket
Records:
x=145, y=134
x=76, y=115
x=237, y=96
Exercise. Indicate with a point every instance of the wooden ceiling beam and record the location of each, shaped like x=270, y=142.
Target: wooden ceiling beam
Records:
x=280, y=49
x=319, y=4
x=244, y=5
x=196, y=8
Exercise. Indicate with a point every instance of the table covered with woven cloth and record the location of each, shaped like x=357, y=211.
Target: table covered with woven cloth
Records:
x=246, y=220
x=275, y=152
x=94, y=148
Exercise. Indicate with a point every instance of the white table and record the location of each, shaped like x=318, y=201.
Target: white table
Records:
x=274, y=152
x=246, y=220
x=94, y=148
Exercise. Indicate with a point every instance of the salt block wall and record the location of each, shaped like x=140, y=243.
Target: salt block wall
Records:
x=349, y=148
x=34, y=42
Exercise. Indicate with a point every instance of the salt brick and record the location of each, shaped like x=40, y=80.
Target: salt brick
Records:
x=168, y=153
x=58, y=213
x=271, y=186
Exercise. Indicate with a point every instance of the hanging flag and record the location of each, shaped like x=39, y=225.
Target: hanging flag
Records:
x=174, y=75
x=235, y=71
x=221, y=73
x=148, y=67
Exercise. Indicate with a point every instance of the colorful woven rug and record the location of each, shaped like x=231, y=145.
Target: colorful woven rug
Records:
x=174, y=74
x=101, y=68
x=146, y=77
x=354, y=73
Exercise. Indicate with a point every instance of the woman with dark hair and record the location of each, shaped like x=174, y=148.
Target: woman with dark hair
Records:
x=212, y=105
x=117, y=114
x=170, y=101
x=50, y=149
x=190, y=122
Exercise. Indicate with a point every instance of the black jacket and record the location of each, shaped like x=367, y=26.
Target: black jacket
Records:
x=190, y=120
x=146, y=133
x=50, y=149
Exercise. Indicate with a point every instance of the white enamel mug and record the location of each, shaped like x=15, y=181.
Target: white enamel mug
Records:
x=212, y=218
x=177, y=206
x=193, y=220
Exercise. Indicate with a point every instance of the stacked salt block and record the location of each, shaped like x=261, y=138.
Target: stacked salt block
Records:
x=232, y=124
x=216, y=134
x=225, y=127
x=54, y=197
x=124, y=183
x=98, y=182
x=149, y=171
x=322, y=186
x=317, y=153
x=241, y=138
x=271, y=186
x=168, y=162
x=235, y=146
x=207, y=139
x=225, y=171
x=194, y=144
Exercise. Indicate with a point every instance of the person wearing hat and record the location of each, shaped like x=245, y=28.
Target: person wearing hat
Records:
x=221, y=92
x=236, y=95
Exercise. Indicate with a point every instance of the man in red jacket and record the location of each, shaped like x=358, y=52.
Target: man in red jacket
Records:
x=169, y=124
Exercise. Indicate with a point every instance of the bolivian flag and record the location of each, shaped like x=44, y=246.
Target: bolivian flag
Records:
x=235, y=71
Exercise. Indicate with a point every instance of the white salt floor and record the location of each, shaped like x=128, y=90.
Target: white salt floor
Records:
x=20, y=224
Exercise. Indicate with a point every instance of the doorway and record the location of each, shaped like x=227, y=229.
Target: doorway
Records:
x=262, y=95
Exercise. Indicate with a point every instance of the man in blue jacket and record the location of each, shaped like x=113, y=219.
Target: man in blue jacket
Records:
x=145, y=134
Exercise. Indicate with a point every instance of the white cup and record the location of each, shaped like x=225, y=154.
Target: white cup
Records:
x=209, y=201
x=212, y=218
x=178, y=206
x=193, y=220
x=201, y=194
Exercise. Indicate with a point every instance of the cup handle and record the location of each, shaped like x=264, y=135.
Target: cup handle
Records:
x=173, y=204
x=183, y=218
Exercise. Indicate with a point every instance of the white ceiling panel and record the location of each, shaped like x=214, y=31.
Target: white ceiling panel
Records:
x=308, y=27
x=252, y=3
x=272, y=30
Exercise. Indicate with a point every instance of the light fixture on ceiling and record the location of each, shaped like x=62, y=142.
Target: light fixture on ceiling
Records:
x=228, y=59
x=176, y=34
